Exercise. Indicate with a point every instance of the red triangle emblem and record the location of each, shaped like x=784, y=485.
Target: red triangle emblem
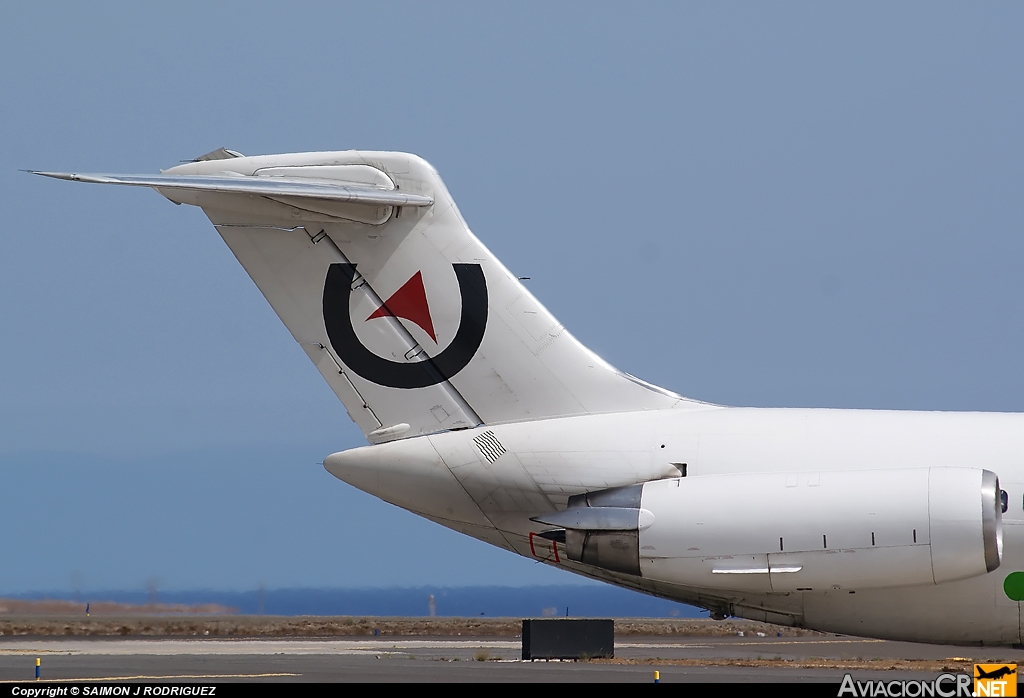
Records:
x=409, y=303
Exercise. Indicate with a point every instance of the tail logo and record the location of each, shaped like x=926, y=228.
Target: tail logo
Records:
x=408, y=302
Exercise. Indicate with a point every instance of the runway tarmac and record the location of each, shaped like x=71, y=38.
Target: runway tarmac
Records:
x=480, y=660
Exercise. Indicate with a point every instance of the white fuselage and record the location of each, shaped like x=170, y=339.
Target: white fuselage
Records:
x=529, y=468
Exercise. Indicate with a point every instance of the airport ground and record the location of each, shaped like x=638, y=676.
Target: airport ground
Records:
x=467, y=650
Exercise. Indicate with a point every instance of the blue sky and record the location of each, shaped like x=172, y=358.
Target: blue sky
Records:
x=787, y=204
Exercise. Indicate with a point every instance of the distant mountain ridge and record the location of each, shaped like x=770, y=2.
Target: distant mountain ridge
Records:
x=51, y=606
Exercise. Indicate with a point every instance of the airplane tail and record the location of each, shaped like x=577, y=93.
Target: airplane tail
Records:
x=412, y=321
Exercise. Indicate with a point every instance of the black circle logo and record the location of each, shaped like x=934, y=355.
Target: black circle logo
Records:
x=417, y=374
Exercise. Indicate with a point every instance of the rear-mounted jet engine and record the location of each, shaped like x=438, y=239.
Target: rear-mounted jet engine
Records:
x=792, y=531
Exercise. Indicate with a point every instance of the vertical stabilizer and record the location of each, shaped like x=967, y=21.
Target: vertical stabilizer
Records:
x=415, y=325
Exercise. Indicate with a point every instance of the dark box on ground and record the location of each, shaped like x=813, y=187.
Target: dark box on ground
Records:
x=565, y=638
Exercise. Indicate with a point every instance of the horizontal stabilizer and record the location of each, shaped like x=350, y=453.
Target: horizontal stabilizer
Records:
x=275, y=187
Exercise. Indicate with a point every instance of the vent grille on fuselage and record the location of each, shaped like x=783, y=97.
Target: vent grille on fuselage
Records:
x=489, y=446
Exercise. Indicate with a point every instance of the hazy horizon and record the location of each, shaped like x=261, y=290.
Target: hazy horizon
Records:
x=785, y=204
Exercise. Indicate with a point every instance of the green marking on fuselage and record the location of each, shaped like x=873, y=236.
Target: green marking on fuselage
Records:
x=1013, y=585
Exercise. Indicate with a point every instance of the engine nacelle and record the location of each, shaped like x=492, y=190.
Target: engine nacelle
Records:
x=603, y=528
x=794, y=531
